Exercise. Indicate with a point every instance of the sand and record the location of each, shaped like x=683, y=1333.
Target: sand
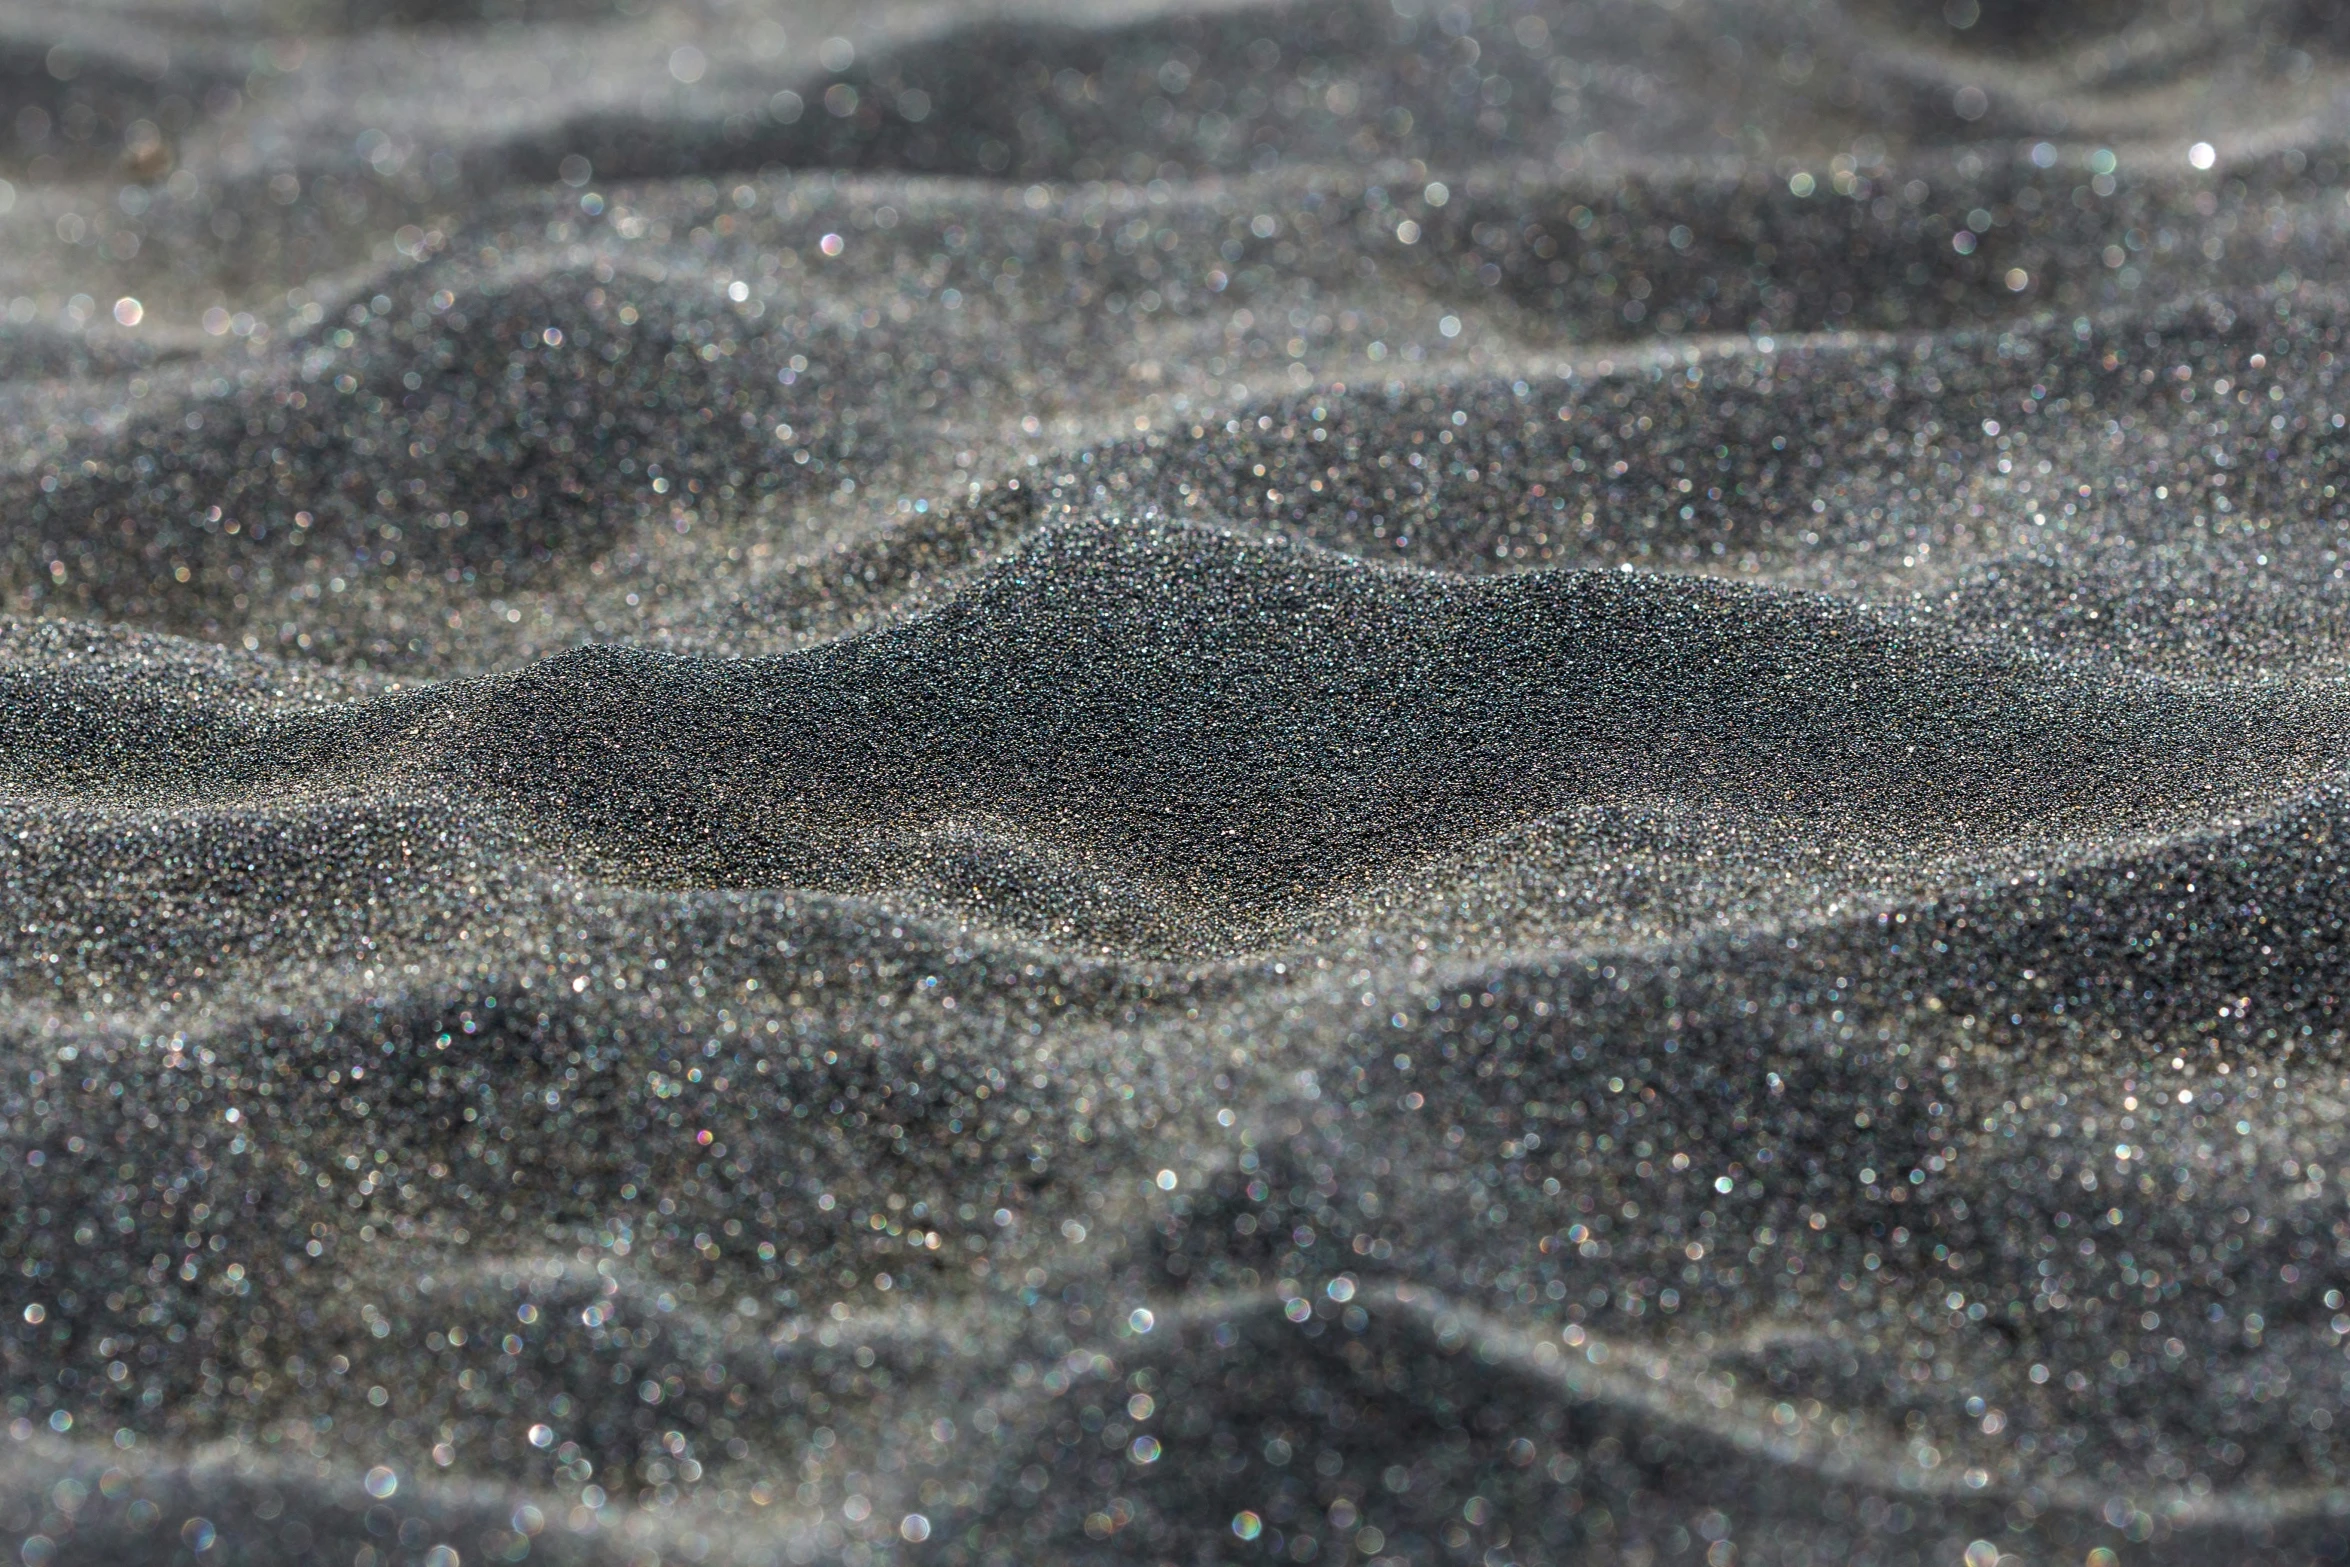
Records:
x=1173, y=783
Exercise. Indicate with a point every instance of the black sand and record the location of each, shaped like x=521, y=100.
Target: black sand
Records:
x=1215, y=784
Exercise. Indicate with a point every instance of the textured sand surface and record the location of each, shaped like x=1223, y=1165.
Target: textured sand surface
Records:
x=1531, y=782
